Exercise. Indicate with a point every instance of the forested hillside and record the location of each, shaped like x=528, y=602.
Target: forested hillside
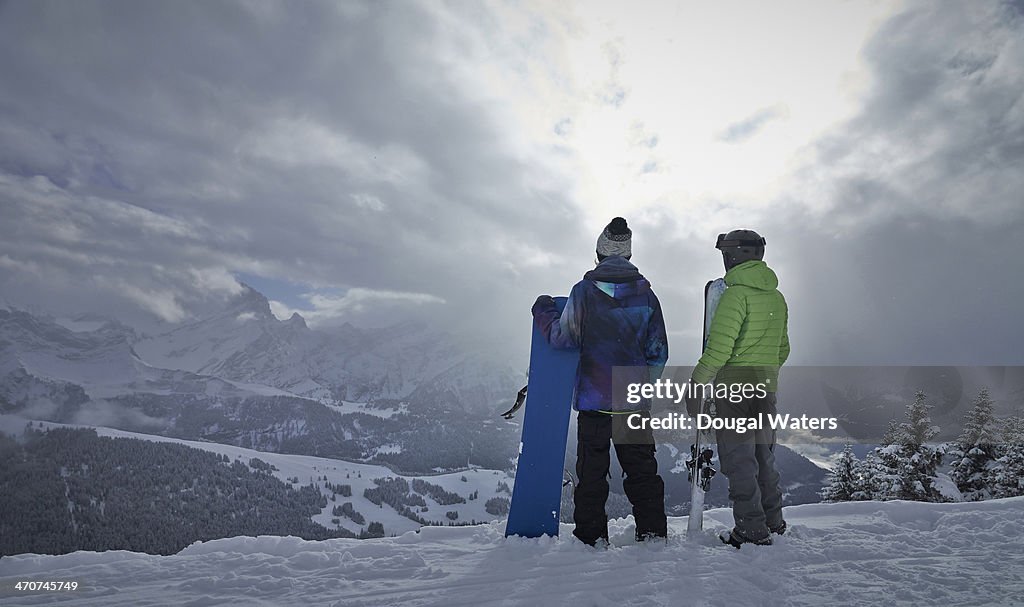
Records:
x=63, y=490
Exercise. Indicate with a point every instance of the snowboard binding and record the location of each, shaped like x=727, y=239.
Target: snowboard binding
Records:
x=699, y=465
x=520, y=400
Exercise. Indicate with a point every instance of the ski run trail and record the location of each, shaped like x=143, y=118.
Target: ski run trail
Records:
x=860, y=553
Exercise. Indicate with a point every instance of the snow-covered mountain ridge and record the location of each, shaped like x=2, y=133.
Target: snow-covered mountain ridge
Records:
x=243, y=377
x=246, y=346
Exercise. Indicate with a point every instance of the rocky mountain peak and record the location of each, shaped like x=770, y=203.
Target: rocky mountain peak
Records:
x=296, y=321
x=250, y=301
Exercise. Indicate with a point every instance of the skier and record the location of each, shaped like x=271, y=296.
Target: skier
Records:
x=747, y=343
x=615, y=319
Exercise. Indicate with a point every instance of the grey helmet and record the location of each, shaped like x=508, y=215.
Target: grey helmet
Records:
x=739, y=246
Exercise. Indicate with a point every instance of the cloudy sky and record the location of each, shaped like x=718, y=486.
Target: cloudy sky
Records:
x=368, y=162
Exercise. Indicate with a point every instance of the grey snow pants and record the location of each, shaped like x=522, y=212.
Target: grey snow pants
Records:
x=748, y=461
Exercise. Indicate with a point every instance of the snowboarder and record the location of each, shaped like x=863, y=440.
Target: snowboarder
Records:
x=747, y=343
x=615, y=319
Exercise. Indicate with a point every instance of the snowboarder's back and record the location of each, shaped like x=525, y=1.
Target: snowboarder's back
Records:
x=615, y=319
x=747, y=343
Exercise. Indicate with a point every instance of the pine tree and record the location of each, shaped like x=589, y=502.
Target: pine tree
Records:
x=875, y=479
x=893, y=433
x=908, y=463
x=844, y=479
x=976, y=450
x=883, y=463
x=1008, y=470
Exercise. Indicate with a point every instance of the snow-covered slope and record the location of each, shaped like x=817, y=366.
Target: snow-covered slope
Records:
x=359, y=477
x=863, y=553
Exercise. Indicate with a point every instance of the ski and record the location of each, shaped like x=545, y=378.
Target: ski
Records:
x=700, y=465
x=520, y=399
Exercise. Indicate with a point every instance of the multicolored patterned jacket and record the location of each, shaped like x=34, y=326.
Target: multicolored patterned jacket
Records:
x=614, y=318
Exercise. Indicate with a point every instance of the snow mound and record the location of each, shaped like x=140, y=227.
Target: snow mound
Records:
x=902, y=553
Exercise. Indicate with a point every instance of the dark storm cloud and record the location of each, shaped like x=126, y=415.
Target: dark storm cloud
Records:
x=912, y=251
x=943, y=127
x=150, y=147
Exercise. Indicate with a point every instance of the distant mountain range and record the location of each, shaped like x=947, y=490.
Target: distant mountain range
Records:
x=408, y=396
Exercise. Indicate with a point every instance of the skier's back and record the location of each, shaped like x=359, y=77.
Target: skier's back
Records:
x=615, y=319
x=747, y=343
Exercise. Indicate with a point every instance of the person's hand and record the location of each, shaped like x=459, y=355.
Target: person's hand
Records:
x=693, y=397
x=543, y=302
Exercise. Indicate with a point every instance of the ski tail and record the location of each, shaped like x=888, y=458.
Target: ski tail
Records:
x=695, y=522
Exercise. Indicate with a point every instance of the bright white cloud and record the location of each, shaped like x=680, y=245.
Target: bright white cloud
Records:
x=368, y=201
x=688, y=71
x=356, y=301
x=215, y=280
x=162, y=303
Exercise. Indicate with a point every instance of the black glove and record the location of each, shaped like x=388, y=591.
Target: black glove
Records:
x=543, y=302
x=693, y=397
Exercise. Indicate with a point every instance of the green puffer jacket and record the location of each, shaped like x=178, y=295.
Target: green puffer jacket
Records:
x=748, y=340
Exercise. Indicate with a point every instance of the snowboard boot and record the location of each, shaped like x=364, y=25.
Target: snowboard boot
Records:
x=595, y=542
x=736, y=539
x=779, y=530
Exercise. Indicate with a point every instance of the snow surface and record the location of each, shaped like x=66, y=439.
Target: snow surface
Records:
x=348, y=408
x=80, y=326
x=892, y=553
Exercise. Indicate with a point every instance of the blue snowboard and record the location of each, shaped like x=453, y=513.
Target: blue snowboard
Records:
x=537, y=496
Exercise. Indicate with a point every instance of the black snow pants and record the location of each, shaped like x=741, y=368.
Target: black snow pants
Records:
x=644, y=488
